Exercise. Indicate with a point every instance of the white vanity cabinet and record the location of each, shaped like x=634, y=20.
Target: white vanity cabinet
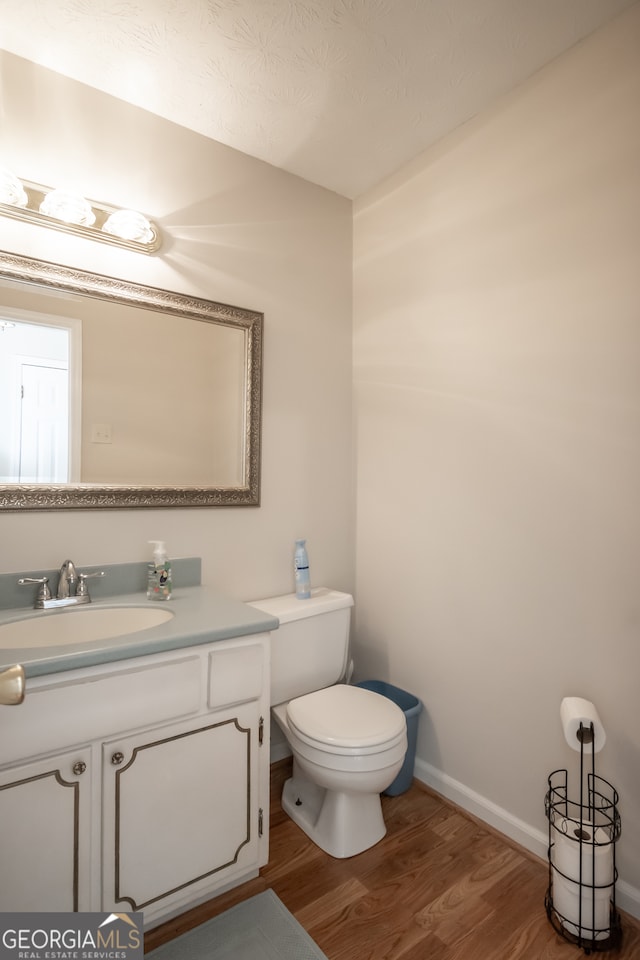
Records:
x=45, y=830
x=177, y=810
x=162, y=803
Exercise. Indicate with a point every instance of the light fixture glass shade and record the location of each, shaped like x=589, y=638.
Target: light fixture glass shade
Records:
x=68, y=211
x=69, y=207
x=11, y=189
x=129, y=225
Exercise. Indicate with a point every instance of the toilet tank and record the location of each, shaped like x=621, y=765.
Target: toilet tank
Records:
x=310, y=648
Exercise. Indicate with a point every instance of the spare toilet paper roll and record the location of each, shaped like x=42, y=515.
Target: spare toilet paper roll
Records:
x=595, y=922
x=575, y=711
x=569, y=853
x=593, y=896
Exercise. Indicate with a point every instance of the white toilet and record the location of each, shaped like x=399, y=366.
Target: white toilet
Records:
x=348, y=743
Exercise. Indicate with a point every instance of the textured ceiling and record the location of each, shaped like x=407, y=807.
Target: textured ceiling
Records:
x=340, y=92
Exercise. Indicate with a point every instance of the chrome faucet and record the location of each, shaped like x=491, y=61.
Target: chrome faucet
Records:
x=68, y=579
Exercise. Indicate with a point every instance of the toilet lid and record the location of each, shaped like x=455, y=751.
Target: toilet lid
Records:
x=346, y=716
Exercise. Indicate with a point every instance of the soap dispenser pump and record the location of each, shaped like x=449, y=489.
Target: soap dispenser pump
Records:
x=159, y=579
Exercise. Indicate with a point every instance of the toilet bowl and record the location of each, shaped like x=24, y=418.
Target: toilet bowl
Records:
x=346, y=750
x=348, y=743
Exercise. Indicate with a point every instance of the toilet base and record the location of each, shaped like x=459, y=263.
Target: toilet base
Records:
x=341, y=824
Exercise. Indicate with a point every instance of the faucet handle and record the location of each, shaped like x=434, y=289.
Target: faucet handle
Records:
x=82, y=590
x=44, y=593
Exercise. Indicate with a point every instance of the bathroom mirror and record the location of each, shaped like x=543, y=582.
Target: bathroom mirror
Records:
x=140, y=397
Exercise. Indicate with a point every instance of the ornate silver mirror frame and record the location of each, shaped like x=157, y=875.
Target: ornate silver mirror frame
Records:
x=54, y=277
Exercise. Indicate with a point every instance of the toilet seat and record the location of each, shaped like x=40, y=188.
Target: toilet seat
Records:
x=346, y=720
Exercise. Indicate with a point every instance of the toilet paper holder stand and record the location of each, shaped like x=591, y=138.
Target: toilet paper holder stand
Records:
x=580, y=900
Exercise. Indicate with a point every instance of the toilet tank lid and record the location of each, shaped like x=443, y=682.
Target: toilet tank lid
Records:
x=288, y=607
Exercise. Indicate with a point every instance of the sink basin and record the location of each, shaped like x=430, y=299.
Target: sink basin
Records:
x=85, y=625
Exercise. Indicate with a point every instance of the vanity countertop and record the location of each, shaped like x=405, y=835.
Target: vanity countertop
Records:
x=200, y=615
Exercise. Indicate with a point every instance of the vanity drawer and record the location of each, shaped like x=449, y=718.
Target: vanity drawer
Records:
x=237, y=674
x=88, y=707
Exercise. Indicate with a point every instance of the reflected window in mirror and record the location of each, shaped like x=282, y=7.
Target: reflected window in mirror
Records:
x=38, y=398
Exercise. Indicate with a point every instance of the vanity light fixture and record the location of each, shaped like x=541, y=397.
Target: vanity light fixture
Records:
x=69, y=207
x=71, y=212
x=11, y=190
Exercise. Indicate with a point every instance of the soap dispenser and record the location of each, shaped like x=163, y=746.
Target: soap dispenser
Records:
x=159, y=579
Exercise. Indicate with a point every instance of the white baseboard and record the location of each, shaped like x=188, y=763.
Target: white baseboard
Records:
x=533, y=840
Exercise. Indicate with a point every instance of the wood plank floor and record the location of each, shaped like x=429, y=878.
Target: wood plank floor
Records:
x=440, y=886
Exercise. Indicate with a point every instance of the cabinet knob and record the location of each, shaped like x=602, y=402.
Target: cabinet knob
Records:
x=117, y=758
x=12, y=685
x=79, y=767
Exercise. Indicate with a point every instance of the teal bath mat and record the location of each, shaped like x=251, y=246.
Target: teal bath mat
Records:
x=260, y=928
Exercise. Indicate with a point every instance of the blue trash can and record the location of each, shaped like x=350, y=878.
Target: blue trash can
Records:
x=411, y=708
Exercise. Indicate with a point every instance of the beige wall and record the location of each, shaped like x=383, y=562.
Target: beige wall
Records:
x=237, y=231
x=497, y=379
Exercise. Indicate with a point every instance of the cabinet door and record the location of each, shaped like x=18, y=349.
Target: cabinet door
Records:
x=180, y=810
x=45, y=818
